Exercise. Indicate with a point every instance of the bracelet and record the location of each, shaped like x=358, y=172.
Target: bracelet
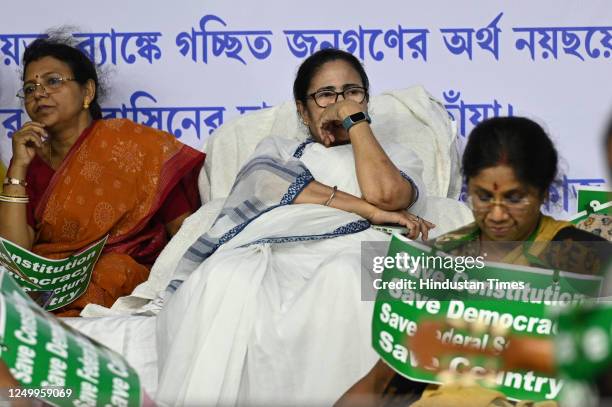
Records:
x=14, y=199
x=14, y=195
x=14, y=181
x=331, y=197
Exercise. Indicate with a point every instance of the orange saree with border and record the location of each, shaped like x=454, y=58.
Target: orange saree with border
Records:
x=113, y=181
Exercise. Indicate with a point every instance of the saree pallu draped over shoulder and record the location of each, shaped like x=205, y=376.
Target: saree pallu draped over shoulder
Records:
x=266, y=307
x=113, y=181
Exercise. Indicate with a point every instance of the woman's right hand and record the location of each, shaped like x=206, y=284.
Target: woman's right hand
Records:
x=415, y=224
x=26, y=141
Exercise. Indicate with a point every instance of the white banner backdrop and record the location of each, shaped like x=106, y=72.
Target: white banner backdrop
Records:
x=189, y=66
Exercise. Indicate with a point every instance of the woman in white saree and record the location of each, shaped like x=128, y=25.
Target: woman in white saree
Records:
x=265, y=308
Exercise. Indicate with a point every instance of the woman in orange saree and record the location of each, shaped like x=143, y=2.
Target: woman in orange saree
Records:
x=84, y=178
x=115, y=180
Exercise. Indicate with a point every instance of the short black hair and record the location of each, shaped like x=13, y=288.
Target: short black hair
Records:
x=83, y=68
x=517, y=142
x=313, y=63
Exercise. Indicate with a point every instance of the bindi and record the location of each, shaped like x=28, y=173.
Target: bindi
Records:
x=495, y=186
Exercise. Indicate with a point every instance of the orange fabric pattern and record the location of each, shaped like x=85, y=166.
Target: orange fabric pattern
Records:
x=113, y=181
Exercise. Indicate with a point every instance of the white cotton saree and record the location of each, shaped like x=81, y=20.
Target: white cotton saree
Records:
x=265, y=308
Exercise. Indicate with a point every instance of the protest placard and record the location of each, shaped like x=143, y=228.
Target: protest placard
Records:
x=415, y=287
x=52, y=283
x=55, y=363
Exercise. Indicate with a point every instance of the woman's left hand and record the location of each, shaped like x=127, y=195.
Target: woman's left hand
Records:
x=330, y=123
x=415, y=224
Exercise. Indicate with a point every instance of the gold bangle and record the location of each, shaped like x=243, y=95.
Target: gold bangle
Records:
x=14, y=196
x=331, y=197
x=11, y=199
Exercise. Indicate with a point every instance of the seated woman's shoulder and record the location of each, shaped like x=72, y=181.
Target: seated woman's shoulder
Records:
x=278, y=145
x=135, y=131
x=115, y=124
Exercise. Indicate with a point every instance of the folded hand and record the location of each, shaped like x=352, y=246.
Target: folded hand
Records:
x=415, y=224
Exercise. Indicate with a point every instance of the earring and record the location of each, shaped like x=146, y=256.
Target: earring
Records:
x=85, y=105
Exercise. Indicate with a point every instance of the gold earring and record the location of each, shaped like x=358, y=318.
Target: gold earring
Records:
x=85, y=105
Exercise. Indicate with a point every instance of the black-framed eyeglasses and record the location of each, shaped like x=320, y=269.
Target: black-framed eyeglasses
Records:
x=484, y=204
x=326, y=97
x=48, y=84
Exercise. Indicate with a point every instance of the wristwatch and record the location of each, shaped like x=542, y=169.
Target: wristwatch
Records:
x=355, y=118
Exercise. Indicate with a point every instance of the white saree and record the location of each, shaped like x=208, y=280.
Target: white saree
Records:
x=268, y=309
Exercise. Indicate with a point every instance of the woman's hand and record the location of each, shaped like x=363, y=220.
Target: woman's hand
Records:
x=26, y=141
x=332, y=132
x=415, y=224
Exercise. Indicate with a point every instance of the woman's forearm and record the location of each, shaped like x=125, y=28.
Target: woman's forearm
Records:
x=380, y=181
x=317, y=193
x=13, y=218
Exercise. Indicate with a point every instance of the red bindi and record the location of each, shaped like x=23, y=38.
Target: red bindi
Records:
x=495, y=186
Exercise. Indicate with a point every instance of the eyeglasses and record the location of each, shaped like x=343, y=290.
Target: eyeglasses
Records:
x=326, y=97
x=48, y=84
x=485, y=204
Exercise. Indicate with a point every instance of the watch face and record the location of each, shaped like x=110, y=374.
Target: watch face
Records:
x=355, y=117
x=349, y=121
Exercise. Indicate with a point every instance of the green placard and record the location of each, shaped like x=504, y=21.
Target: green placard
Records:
x=52, y=283
x=55, y=363
x=515, y=297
